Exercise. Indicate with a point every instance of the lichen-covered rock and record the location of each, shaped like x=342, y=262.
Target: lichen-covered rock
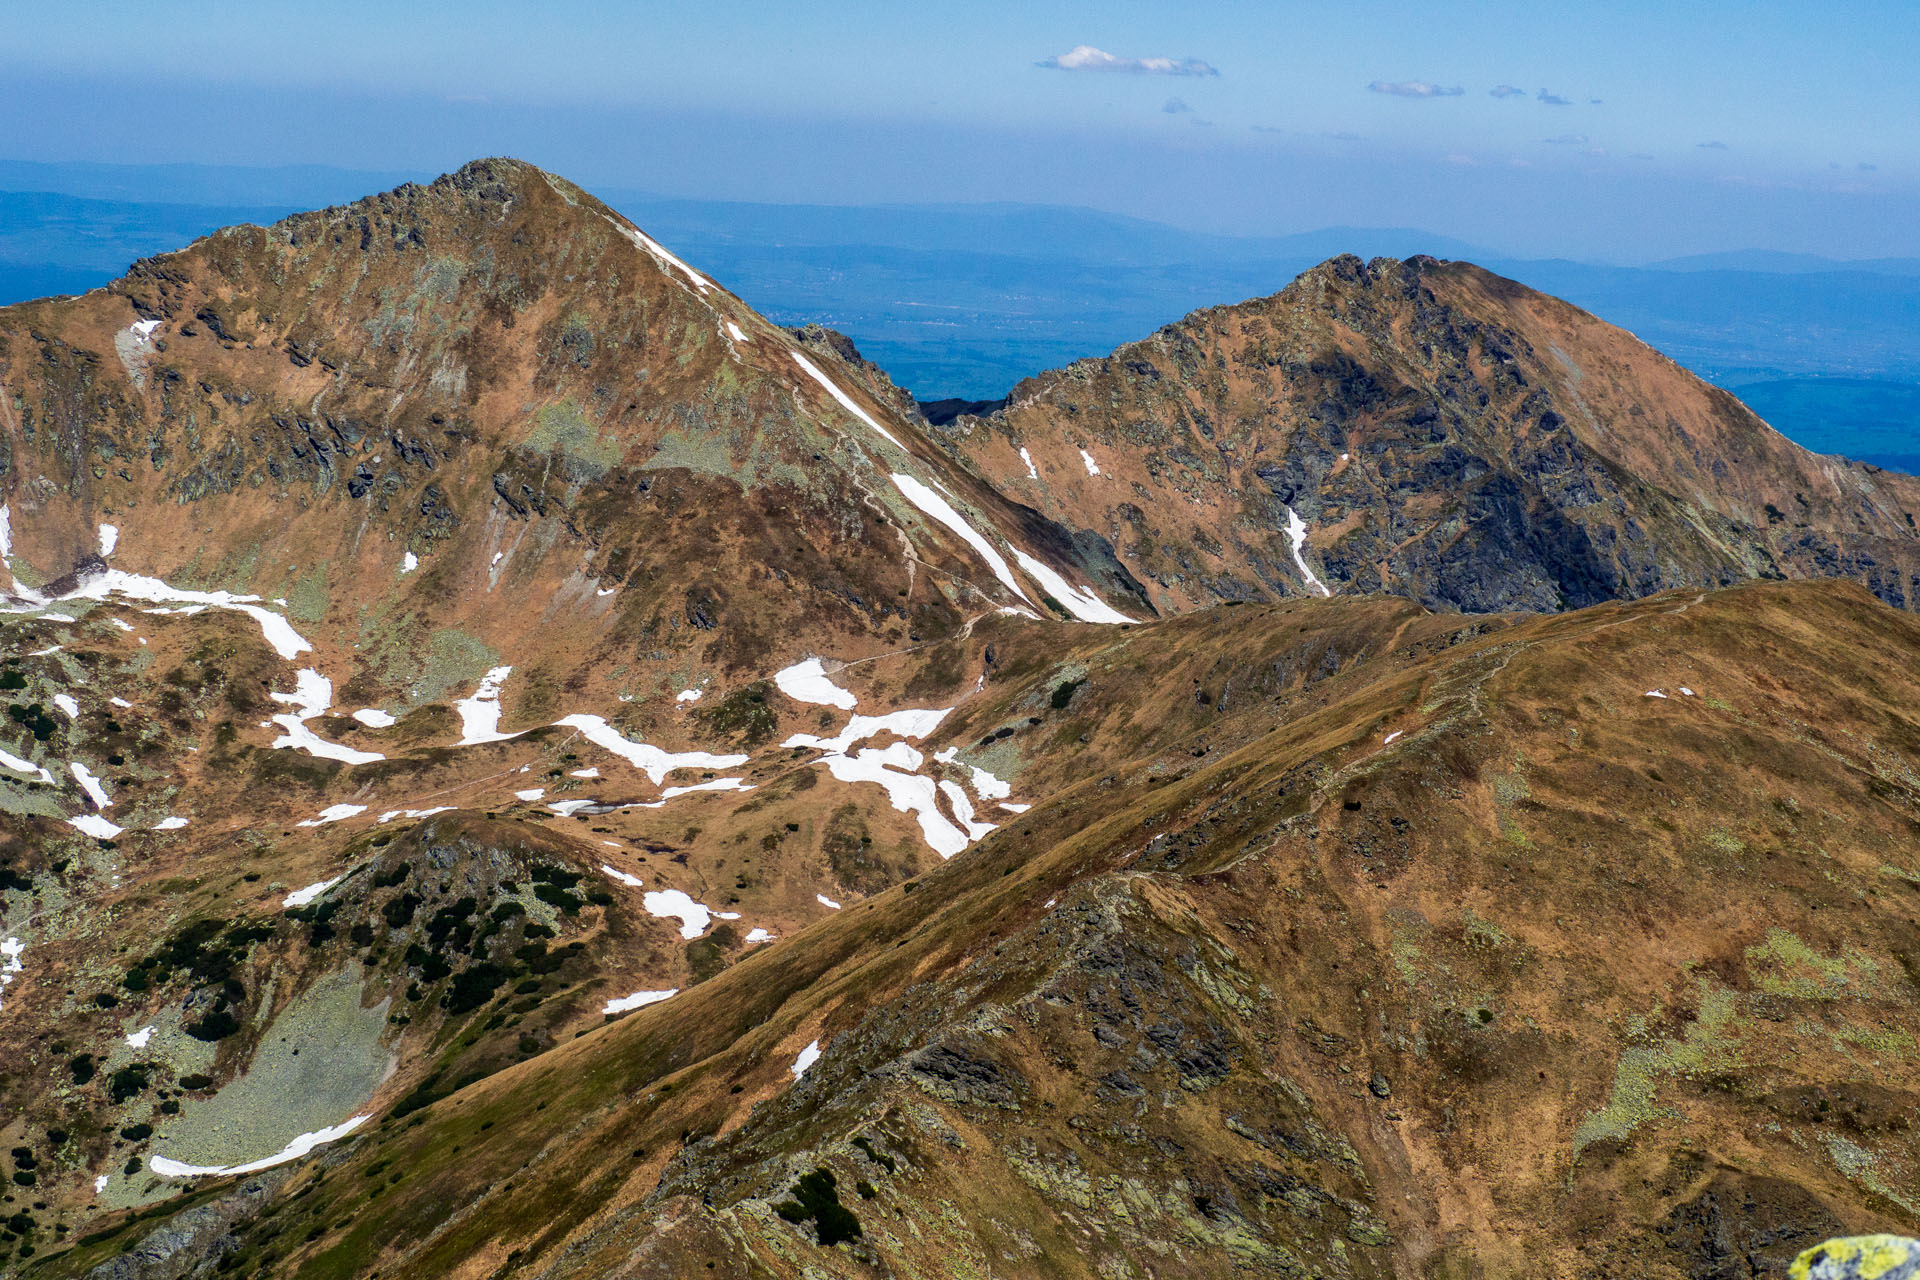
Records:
x=1860, y=1258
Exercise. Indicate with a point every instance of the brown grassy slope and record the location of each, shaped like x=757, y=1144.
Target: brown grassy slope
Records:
x=1448, y=435
x=1566, y=980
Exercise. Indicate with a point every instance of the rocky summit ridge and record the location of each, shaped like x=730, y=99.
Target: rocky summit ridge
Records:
x=517, y=766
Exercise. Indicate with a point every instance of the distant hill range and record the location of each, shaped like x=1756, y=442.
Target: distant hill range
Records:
x=960, y=302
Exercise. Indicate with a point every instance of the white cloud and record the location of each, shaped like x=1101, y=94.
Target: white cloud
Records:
x=1415, y=89
x=1569, y=140
x=1507, y=91
x=1711, y=146
x=1553, y=99
x=1176, y=107
x=1084, y=57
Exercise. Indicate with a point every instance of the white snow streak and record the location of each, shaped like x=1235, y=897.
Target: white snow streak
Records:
x=173, y=823
x=846, y=402
x=391, y=814
x=624, y=877
x=303, y=897
x=940, y=509
x=1297, y=534
x=1028, y=459
x=300, y=1146
x=65, y=702
x=333, y=813
x=825, y=901
x=651, y=760
x=96, y=826
x=639, y=1000
x=24, y=766
x=90, y=785
x=374, y=718
x=652, y=246
x=808, y=1056
x=109, y=539
x=1081, y=603
x=1093, y=468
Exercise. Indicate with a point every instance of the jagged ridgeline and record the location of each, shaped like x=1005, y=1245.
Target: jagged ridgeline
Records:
x=517, y=766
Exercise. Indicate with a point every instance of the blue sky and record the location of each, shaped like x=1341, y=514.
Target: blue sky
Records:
x=1623, y=131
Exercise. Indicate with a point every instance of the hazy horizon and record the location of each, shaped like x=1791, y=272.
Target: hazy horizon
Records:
x=1639, y=134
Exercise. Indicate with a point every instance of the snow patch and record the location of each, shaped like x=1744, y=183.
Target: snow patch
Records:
x=1015, y=808
x=639, y=1000
x=11, y=949
x=109, y=539
x=1655, y=693
x=807, y=682
x=18, y=765
x=695, y=918
x=652, y=246
x=333, y=813
x=739, y=334
x=585, y=773
x=825, y=901
x=846, y=402
x=1297, y=535
x=120, y=702
x=172, y=823
x=988, y=787
x=1390, y=737
x=287, y=642
x=940, y=509
x=808, y=1056
x=65, y=702
x=144, y=328
x=530, y=794
x=909, y=722
x=1688, y=692
x=300, y=1146
x=688, y=695
x=626, y=878
x=96, y=826
x=391, y=814
x=480, y=714
x=1082, y=604
x=312, y=695
x=963, y=810
x=306, y=896
x=138, y=1039
x=409, y=562
x=758, y=935
x=1028, y=459
x=651, y=760
x=1093, y=468
x=374, y=718
x=90, y=785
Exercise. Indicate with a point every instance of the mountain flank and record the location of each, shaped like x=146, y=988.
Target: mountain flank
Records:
x=1438, y=432
x=516, y=766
